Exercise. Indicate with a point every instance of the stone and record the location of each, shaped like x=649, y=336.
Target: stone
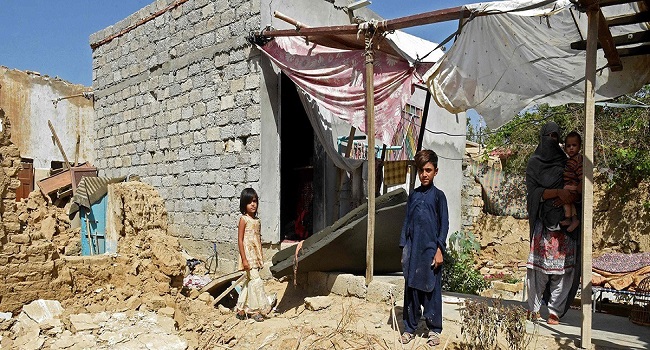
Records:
x=41, y=310
x=317, y=303
x=168, y=324
x=206, y=297
x=223, y=310
x=166, y=311
x=133, y=302
x=82, y=322
x=155, y=302
x=508, y=287
x=64, y=342
x=48, y=227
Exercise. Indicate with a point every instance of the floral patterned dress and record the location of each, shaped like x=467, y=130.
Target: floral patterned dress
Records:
x=253, y=298
x=551, y=252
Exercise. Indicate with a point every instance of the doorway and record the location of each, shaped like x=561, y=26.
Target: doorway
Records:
x=296, y=166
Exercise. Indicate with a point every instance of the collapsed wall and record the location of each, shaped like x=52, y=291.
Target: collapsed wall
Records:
x=36, y=239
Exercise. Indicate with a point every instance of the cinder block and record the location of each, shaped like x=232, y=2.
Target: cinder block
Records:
x=380, y=292
x=317, y=282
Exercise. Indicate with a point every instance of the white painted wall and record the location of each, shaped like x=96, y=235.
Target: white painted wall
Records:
x=27, y=99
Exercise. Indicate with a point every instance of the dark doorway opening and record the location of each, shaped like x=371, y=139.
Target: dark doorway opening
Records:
x=296, y=165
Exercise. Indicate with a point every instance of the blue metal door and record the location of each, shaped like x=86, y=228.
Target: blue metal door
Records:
x=95, y=218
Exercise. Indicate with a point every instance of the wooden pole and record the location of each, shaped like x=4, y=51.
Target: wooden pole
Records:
x=58, y=143
x=588, y=171
x=370, y=131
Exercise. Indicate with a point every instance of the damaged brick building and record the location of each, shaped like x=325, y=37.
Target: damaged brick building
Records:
x=185, y=101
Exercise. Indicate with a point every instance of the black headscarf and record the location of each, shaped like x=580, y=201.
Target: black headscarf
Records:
x=544, y=170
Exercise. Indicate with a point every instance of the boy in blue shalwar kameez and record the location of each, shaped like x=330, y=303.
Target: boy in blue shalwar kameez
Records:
x=423, y=242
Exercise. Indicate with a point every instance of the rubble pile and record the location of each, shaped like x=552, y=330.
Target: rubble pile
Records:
x=10, y=163
x=27, y=268
x=148, y=269
x=44, y=324
x=52, y=297
x=40, y=220
x=139, y=287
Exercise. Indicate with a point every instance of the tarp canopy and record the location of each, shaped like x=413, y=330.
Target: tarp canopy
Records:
x=520, y=56
x=334, y=76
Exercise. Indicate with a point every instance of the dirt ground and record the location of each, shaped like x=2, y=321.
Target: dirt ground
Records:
x=347, y=323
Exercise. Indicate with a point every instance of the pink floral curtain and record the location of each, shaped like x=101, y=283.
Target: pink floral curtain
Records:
x=335, y=78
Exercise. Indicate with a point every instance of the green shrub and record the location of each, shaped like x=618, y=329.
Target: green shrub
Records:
x=459, y=274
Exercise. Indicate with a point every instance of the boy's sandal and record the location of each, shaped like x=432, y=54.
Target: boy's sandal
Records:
x=433, y=339
x=258, y=317
x=241, y=315
x=553, y=320
x=407, y=337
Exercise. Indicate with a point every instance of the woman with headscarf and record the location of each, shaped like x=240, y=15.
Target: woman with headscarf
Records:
x=551, y=262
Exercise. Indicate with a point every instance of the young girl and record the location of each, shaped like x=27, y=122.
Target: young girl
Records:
x=253, y=300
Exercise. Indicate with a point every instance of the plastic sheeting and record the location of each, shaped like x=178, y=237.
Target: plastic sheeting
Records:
x=504, y=63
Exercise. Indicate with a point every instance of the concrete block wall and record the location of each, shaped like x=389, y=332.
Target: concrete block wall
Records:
x=177, y=103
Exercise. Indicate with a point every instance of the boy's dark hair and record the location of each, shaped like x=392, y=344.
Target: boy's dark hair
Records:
x=247, y=196
x=573, y=134
x=426, y=156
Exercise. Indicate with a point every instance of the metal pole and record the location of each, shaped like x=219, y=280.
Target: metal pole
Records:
x=588, y=171
x=370, y=131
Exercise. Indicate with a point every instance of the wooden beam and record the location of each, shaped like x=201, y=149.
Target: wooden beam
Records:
x=619, y=40
x=340, y=39
x=444, y=15
x=58, y=143
x=635, y=18
x=437, y=16
x=607, y=42
x=604, y=35
x=594, y=21
x=634, y=51
x=605, y=3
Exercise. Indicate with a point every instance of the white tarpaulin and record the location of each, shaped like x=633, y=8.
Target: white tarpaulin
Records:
x=504, y=63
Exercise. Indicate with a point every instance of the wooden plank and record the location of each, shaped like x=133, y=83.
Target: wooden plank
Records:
x=588, y=171
x=604, y=3
x=221, y=280
x=635, y=18
x=58, y=143
x=634, y=51
x=443, y=15
x=225, y=292
x=619, y=40
x=605, y=38
x=607, y=42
